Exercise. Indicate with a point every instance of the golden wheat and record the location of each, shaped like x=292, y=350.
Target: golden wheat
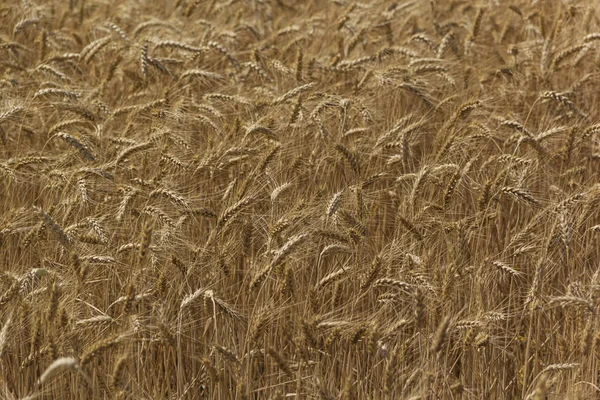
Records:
x=349, y=200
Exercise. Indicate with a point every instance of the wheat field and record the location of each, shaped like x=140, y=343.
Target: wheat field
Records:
x=278, y=199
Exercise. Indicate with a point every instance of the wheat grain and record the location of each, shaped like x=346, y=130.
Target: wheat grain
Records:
x=78, y=144
x=5, y=330
x=50, y=223
x=97, y=320
x=93, y=47
x=284, y=251
x=201, y=75
x=58, y=366
x=334, y=203
x=56, y=92
x=563, y=100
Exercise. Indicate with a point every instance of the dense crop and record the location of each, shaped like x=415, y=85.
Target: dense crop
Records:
x=299, y=199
